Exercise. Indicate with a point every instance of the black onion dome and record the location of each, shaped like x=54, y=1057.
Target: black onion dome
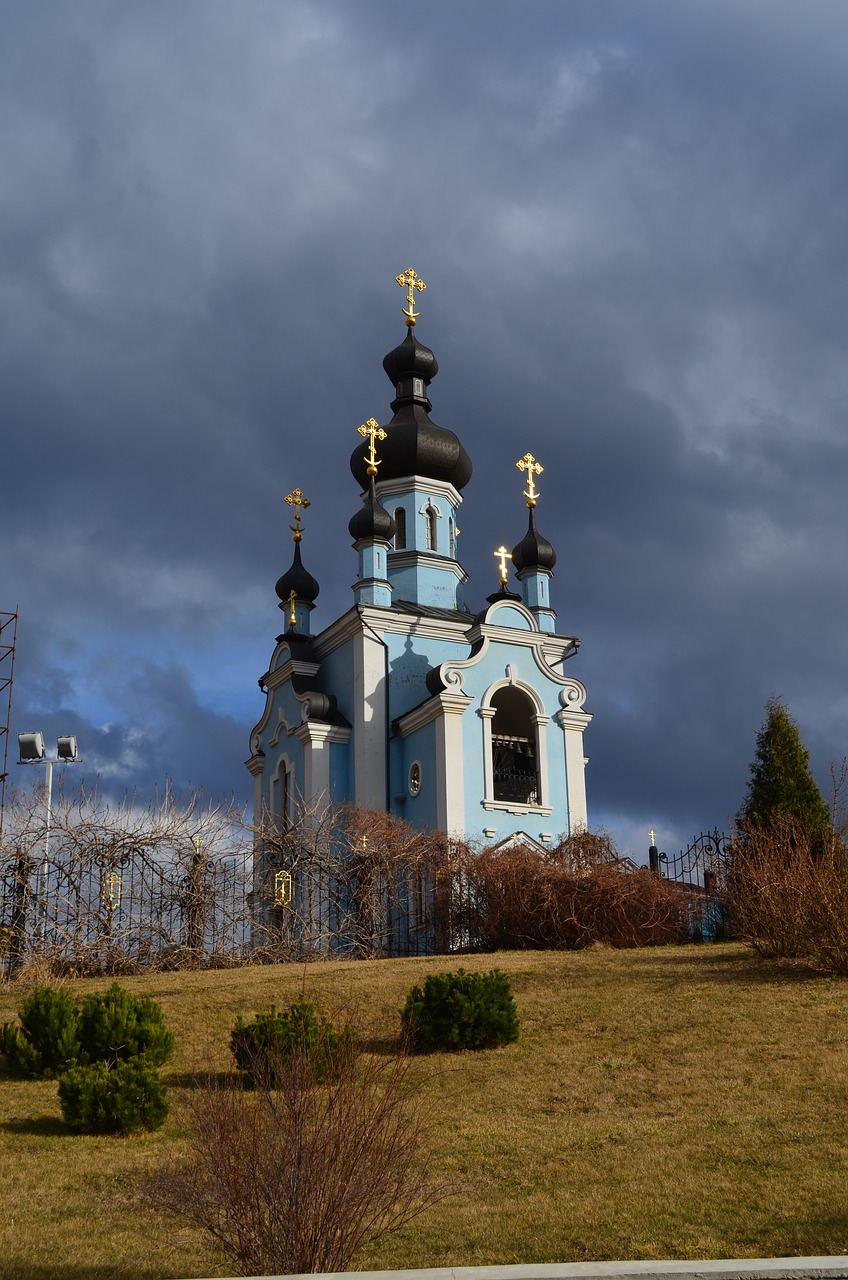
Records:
x=410, y=359
x=297, y=580
x=533, y=551
x=414, y=444
x=371, y=520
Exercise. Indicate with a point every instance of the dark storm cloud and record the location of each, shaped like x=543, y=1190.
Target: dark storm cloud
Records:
x=631, y=219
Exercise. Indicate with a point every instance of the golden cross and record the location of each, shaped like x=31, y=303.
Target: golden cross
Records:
x=410, y=280
x=653, y=841
x=529, y=464
x=292, y=614
x=296, y=499
x=501, y=555
x=372, y=429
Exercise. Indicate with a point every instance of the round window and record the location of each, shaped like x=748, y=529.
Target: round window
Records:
x=414, y=778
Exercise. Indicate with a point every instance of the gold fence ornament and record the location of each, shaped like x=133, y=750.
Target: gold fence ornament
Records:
x=110, y=891
x=282, y=888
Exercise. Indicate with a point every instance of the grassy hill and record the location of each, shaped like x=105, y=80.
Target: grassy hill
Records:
x=682, y=1102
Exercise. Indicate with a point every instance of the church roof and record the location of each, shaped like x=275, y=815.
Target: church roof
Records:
x=372, y=520
x=430, y=611
x=533, y=551
x=299, y=580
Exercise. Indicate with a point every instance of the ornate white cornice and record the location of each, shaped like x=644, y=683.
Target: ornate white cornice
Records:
x=312, y=731
x=438, y=488
x=428, y=560
x=442, y=704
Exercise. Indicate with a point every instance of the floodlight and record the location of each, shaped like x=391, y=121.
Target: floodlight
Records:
x=67, y=748
x=31, y=746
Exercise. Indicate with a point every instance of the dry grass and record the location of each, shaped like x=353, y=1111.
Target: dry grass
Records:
x=678, y=1102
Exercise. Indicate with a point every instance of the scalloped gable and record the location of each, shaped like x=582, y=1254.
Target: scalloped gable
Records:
x=505, y=613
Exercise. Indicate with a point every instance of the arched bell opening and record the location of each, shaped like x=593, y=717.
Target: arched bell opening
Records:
x=515, y=756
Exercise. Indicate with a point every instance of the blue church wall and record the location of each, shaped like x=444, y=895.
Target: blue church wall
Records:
x=339, y=772
x=411, y=657
x=418, y=748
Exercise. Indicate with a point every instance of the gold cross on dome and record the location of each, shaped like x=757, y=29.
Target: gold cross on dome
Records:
x=296, y=499
x=501, y=555
x=653, y=841
x=529, y=464
x=410, y=280
x=374, y=431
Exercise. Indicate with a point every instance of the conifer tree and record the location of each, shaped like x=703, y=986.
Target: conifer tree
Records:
x=780, y=780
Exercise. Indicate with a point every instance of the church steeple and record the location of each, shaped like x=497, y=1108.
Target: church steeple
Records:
x=372, y=530
x=297, y=589
x=423, y=468
x=534, y=557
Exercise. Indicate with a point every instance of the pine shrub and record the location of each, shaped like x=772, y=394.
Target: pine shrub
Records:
x=460, y=1011
x=265, y=1045
x=47, y=1041
x=124, y=1100
x=118, y=1026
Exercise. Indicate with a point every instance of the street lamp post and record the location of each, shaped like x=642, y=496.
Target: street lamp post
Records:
x=31, y=750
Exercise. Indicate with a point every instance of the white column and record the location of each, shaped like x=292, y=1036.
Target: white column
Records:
x=369, y=721
x=573, y=723
x=450, y=774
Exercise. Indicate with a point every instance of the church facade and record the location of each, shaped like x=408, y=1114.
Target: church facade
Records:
x=463, y=720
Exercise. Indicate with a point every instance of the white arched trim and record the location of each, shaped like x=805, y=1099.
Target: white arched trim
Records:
x=540, y=722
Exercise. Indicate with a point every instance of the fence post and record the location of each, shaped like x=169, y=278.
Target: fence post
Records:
x=22, y=893
x=195, y=903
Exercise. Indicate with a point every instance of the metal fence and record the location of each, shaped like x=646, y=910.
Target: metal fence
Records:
x=698, y=871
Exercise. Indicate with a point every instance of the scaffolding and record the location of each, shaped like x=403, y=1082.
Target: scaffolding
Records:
x=8, y=640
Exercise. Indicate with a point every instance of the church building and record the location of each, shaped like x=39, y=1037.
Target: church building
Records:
x=456, y=718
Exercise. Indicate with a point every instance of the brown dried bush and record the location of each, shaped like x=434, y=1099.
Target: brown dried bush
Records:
x=295, y=1174
x=787, y=896
x=517, y=898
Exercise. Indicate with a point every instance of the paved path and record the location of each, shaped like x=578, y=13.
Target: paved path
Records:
x=825, y=1268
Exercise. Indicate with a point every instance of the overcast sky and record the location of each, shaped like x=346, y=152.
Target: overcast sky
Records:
x=632, y=220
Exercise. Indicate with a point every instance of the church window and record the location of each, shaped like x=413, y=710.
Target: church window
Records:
x=431, y=515
x=400, y=529
x=451, y=538
x=284, y=801
x=414, y=778
x=515, y=770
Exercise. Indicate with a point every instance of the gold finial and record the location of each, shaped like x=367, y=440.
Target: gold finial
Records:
x=292, y=613
x=410, y=280
x=372, y=429
x=653, y=841
x=296, y=499
x=501, y=555
x=529, y=464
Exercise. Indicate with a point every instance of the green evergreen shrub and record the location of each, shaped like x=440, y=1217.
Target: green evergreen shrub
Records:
x=47, y=1040
x=460, y=1011
x=272, y=1039
x=126, y=1099
x=118, y=1026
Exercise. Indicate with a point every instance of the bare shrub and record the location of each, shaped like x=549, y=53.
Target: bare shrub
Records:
x=344, y=879
x=296, y=1177
x=787, y=895
x=517, y=898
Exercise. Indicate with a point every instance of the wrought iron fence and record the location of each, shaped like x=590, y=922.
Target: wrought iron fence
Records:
x=699, y=872
x=126, y=908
